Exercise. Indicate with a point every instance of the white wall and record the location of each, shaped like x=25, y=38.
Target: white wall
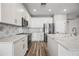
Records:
x=39, y=21
x=60, y=23
x=37, y=24
x=73, y=23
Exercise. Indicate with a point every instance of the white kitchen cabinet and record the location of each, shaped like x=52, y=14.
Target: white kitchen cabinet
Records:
x=7, y=13
x=52, y=47
x=18, y=16
x=63, y=45
x=15, y=46
x=20, y=47
x=6, y=49
x=60, y=23
x=12, y=13
x=25, y=47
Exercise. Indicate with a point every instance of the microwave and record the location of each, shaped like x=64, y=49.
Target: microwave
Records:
x=24, y=22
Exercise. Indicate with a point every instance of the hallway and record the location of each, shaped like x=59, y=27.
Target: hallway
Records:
x=38, y=49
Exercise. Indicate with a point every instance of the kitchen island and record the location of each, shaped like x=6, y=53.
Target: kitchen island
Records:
x=13, y=46
x=63, y=45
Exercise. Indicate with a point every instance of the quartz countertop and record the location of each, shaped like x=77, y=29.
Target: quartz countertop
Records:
x=68, y=42
x=12, y=38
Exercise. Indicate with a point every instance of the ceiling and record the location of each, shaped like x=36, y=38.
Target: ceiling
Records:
x=72, y=9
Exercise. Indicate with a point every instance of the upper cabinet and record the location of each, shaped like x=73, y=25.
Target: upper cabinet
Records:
x=60, y=23
x=7, y=13
x=12, y=13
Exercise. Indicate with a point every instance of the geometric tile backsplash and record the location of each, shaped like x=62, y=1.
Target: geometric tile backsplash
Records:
x=7, y=30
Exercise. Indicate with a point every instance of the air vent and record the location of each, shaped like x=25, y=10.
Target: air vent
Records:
x=43, y=4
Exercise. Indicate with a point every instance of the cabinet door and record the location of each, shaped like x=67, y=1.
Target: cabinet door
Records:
x=24, y=45
x=11, y=13
x=7, y=13
x=52, y=47
x=19, y=14
x=26, y=42
x=18, y=48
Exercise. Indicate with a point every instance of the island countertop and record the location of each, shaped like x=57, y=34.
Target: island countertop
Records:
x=68, y=42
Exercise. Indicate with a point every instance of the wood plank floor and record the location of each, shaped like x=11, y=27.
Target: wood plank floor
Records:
x=38, y=49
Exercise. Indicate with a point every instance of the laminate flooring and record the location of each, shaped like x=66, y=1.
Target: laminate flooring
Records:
x=38, y=49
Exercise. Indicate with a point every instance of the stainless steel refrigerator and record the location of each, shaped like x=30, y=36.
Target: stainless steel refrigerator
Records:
x=48, y=29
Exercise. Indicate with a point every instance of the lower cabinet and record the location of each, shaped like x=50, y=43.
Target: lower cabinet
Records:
x=52, y=47
x=16, y=48
x=20, y=47
x=24, y=46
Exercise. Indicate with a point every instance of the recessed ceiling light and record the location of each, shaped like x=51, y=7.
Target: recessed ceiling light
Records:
x=65, y=10
x=34, y=10
x=49, y=10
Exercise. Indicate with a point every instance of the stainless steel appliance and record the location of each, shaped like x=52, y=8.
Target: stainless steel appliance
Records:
x=48, y=29
x=24, y=22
